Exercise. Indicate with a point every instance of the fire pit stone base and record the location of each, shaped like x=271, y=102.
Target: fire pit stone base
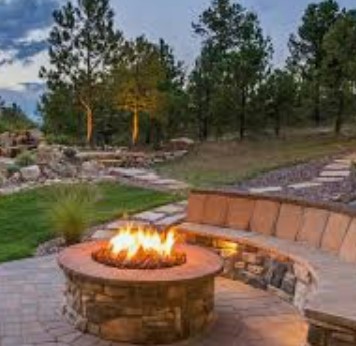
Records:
x=157, y=314
x=178, y=305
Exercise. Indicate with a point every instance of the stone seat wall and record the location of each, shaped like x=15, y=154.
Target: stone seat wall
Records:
x=304, y=252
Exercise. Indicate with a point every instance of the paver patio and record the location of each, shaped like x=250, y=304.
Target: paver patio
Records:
x=31, y=296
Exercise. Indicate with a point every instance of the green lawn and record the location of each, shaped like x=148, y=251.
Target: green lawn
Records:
x=24, y=225
x=219, y=163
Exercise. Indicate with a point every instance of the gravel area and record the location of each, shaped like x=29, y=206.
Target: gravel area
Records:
x=336, y=192
x=50, y=247
x=288, y=175
x=342, y=191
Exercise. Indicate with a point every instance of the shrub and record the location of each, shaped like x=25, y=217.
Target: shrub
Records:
x=25, y=159
x=12, y=169
x=70, y=153
x=70, y=211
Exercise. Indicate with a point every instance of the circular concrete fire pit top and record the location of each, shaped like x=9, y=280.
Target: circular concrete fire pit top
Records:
x=77, y=260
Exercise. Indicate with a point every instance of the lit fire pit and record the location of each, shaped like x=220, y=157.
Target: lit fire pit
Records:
x=140, y=287
x=141, y=248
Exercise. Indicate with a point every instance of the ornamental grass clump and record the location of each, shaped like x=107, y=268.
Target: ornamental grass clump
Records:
x=71, y=209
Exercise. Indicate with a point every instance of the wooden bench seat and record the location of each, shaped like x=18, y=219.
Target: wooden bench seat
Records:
x=316, y=237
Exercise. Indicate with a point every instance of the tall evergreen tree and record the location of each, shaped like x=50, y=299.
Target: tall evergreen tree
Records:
x=241, y=52
x=171, y=114
x=201, y=89
x=339, y=69
x=307, y=50
x=281, y=90
x=83, y=47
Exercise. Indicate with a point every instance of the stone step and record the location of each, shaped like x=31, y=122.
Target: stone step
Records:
x=170, y=209
x=344, y=174
x=305, y=185
x=337, y=167
x=329, y=179
x=103, y=235
x=149, y=216
x=266, y=189
x=172, y=220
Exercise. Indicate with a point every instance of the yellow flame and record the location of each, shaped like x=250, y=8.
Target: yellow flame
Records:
x=131, y=240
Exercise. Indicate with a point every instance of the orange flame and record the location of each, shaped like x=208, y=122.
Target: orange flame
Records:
x=132, y=239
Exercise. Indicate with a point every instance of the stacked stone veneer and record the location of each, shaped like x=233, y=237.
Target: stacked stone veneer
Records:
x=304, y=252
x=141, y=307
x=153, y=314
x=261, y=268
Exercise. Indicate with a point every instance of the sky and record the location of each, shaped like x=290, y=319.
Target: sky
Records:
x=25, y=24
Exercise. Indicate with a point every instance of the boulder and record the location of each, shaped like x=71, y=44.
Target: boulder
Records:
x=91, y=168
x=183, y=140
x=70, y=154
x=15, y=179
x=6, y=140
x=36, y=135
x=67, y=170
x=182, y=143
x=30, y=173
x=5, y=163
x=48, y=155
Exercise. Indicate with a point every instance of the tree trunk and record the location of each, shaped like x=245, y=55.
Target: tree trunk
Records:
x=149, y=131
x=340, y=113
x=90, y=120
x=205, y=132
x=89, y=126
x=317, y=117
x=135, y=126
x=201, y=123
x=277, y=124
x=243, y=114
x=156, y=134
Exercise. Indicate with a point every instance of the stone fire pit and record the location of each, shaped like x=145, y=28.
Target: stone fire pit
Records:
x=140, y=306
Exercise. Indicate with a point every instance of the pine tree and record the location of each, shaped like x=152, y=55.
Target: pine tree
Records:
x=339, y=68
x=240, y=50
x=307, y=50
x=83, y=47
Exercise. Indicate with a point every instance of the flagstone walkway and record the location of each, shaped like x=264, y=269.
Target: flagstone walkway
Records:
x=331, y=181
x=31, y=293
x=147, y=178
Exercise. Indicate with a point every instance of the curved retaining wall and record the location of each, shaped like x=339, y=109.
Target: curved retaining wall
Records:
x=303, y=252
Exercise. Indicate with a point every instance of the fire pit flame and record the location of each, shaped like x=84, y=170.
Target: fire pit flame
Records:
x=141, y=248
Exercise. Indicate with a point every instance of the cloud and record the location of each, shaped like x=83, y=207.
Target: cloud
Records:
x=19, y=19
x=27, y=97
x=35, y=88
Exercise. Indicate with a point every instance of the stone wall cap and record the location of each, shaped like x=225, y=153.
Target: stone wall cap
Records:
x=77, y=261
x=329, y=206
